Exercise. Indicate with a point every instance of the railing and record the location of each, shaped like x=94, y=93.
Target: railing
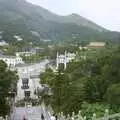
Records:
x=78, y=116
x=6, y=118
x=45, y=112
x=94, y=117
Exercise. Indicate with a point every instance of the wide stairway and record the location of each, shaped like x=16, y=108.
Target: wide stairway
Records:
x=29, y=113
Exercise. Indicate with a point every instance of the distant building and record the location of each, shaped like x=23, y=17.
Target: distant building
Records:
x=51, y=46
x=35, y=33
x=27, y=53
x=83, y=48
x=18, y=38
x=11, y=61
x=3, y=43
x=47, y=40
x=39, y=49
x=66, y=58
x=30, y=51
x=96, y=45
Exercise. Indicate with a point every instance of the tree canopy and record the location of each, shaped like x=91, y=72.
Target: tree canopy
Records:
x=94, y=80
x=7, y=81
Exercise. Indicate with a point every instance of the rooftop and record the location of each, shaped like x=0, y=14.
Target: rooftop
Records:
x=5, y=56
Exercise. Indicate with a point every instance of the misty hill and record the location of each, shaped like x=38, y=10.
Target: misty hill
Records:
x=21, y=17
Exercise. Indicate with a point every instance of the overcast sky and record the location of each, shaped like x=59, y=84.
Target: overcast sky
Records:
x=102, y=12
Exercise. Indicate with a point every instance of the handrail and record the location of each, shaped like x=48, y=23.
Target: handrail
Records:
x=80, y=117
x=45, y=112
x=113, y=116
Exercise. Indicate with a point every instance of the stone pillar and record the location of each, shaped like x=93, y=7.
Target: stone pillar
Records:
x=62, y=116
x=80, y=116
x=65, y=60
x=73, y=116
x=68, y=117
x=25, y=104
x=106, y=115
x=6, y=117
x=57, y=61
x=94, y=116
x=84, y=118
x=1, y=118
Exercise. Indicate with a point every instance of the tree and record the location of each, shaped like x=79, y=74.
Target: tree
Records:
x=113, y=94
x=86, y=80
x=98, y=108
x=7, y=81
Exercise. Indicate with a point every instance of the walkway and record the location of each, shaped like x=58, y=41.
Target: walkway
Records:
x=30, y=113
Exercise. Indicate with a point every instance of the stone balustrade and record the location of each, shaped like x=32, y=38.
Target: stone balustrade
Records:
x=79, y=116
x=94, y=117
x=6, y=118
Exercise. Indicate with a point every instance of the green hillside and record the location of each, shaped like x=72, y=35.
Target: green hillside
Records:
x=20, y=17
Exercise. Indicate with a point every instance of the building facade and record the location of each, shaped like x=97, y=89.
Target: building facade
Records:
x=11, y=61
x=96, y=45
x=26, y=89
x=3, y=43
x=64, y=59
x=26, y=86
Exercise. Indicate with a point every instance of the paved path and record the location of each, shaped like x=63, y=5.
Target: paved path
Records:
x=31, y=71
x=32, y=113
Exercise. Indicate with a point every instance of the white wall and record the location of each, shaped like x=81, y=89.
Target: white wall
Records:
x=20, y=91
x=12, y=61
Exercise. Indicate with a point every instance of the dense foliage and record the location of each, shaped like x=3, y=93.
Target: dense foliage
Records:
x=7, y=83
x=94, y=81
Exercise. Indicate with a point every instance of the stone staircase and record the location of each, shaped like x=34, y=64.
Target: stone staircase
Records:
x=6, y=118
x=35, y=114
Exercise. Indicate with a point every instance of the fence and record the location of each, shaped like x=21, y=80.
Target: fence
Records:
x=79, y=116
x=94, y=117
x=6, y=118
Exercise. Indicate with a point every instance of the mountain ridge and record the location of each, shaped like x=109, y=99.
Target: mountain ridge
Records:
x=21, y=17
x=46, y=14
x=71, y=18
